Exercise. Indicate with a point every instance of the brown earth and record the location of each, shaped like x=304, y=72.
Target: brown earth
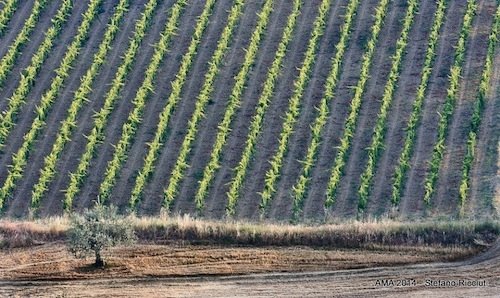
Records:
x=211, y=271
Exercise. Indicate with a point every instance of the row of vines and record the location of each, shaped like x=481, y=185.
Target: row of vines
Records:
x=262, y=106
x=300, y=188
x=177, y=85
x=20, y=158
x=477, y=113
x=239, y=176
x=350, y=124
x=181, y=164
x=64, y=134
x=449, y=105
x=134, y=119
x=9, y=59
x=10, y=6
x=101, y=118
x=8, y=117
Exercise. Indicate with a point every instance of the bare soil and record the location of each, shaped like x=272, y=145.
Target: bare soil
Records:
x=186, y=271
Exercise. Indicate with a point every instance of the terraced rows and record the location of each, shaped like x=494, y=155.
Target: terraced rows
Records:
x=203, y=117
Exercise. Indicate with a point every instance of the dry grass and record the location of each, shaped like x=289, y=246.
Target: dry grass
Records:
x=353, y=234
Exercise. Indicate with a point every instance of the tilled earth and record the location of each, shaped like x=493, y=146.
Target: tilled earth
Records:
x=210, y=271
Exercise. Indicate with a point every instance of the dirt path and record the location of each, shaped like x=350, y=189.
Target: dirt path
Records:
x=189, y=272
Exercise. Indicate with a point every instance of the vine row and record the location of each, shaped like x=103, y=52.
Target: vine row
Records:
x=96, y=136
x=181, y=164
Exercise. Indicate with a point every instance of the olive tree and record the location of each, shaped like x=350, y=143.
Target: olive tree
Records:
x=97, y=229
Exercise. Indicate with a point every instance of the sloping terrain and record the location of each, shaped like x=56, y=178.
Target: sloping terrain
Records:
x=274, y=109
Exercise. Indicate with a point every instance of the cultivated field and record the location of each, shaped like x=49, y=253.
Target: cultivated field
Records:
x=279, y=109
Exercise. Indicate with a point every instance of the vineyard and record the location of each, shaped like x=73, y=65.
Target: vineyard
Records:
x=288, y=110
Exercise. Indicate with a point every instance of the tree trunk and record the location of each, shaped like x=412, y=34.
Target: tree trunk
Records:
x=99, y=262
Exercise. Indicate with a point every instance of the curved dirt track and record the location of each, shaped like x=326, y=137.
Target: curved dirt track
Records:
x=183, y=283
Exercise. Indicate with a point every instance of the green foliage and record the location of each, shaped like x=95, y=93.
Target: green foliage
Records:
x=10, y=6
x=293, y=112
x=134, y=119
x=7, y=118
x=181, y=164
x=48, y=171
x=9, y=59
x=350, y=124
x=96, y=230
x=416, y=114
x=233, y=104
x=262, y=106
x=20, y=159
x=477, y=113
x=300, y=188
x=449, y=105
x=174, y=97
x=377, y=142
x=101, y=118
